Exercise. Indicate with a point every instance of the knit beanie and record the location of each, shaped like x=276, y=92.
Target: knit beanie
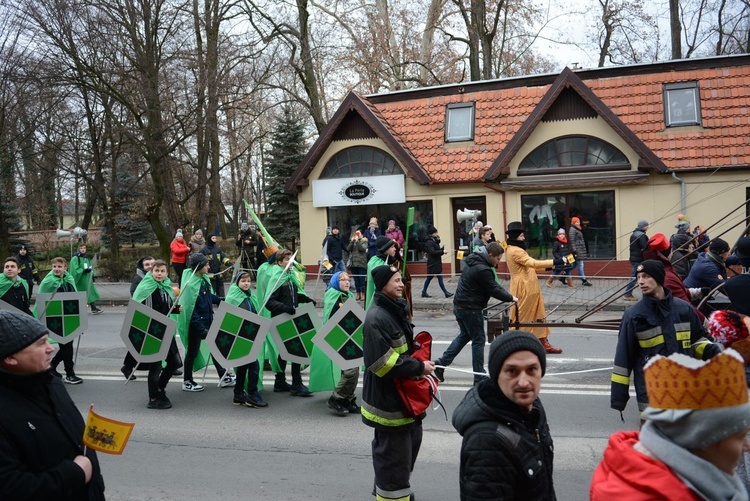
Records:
x=510, y=342
x=240, y=275
x=384, y=243
x=17, y=331
x=731, y=330
x=642, y=224
x=198, y=261
x=654, y=269
x=718, y=246
x=381, y=275
x=178, y=234
x=561, y=231
x=742, y=250
x=576, y=222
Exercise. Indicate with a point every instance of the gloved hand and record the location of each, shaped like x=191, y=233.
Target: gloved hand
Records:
x=290, y=310
x=313, y=302
x=177, y=309
x=705, y=291
x=88, y=270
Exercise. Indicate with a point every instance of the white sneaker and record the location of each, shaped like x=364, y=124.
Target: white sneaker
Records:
x=227, y=381
x=191, y=386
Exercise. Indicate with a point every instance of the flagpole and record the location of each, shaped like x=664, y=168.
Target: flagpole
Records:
x=78, y=345
x=132, y=374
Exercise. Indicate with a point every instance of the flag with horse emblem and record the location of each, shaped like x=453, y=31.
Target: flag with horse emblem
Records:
x=106, y=435
x=147, y=334
x=64, y=314
x=341, y=338
x=292, y=334
x=236, y=335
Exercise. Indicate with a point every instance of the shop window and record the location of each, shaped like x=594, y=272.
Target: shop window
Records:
x=682, y=104
x=360, y=161
x=573, y=154
x=543, y=215
x=459, y=122
x=353, y=217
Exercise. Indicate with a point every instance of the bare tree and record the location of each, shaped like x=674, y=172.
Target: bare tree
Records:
x=620, y=38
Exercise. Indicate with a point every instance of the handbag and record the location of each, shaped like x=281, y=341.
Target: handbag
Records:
x=417, y=393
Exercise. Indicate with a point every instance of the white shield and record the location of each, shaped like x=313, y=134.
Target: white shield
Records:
x=236, y=335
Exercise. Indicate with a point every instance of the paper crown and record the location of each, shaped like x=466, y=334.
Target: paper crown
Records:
x=681, y=382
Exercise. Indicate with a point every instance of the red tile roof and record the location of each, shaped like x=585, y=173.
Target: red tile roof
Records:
x=417, y=118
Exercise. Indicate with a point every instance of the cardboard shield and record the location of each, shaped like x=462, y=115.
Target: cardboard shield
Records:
x=293, y=334
x=64, y=314
x=236, y=335
x=341, y=338
x=147, y=334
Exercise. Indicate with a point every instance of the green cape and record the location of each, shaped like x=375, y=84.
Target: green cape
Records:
x=52, y=283
x=237, y=296
x=374, y=262
x=6, y=283
x=148, y=285
x=191, y=285
x=84, y=281
x=324, y=374
x=267, y=276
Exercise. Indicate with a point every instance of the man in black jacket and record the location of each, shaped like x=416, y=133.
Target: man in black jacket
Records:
x=507, y=450
x=216, y=258
x=388, y=345
x=41, y=440
x=334, y=249
x=475, y=287
x=638, y=244
x=27, y=268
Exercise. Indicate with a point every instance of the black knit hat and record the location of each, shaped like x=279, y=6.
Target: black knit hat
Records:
x=17, y=331
x=381, y=275
x=510, y=342
x=431, y=230
x=742, y=250
x=198, y=261
x=654, y=269
x=240, y=275
x=718, y=246
x=384, y=243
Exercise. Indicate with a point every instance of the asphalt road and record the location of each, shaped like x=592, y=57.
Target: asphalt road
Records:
x=297, y=449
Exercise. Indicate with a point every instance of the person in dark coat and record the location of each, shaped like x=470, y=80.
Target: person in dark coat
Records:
x=14, y=289
x=507, y=449
x=737, y=287
x=246, y=243
x=710, y=269
x=216, y=258
x=372, y=233
x=27, y=268
x=435, y=253
x=681, y=256
x=475, y=288
x=334, y=249
x=41, y=441
x=638, y=244
x=388, y=346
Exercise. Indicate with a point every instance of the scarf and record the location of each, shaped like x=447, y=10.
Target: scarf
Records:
x=517, y=243
x=704, y=478
x=562, y=238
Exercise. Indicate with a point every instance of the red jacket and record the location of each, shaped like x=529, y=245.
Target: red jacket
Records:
x=628, y=475
x=180, y=251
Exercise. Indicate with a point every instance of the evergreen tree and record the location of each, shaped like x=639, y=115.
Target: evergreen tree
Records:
x=287, y=151
x=131, y=224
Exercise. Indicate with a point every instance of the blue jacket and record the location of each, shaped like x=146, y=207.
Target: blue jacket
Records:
x=654, y=327
x=708, y=270
x=203, y=312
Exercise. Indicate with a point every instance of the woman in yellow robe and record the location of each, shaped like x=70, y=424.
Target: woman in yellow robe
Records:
x=524, y=283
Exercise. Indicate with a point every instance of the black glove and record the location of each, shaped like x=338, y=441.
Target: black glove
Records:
x=88, y=270
x=177, y=309
x=705, y=291
x=290, y=310
x=313, y=302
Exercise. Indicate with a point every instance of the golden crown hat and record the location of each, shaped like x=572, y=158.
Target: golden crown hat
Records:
x=682, y=382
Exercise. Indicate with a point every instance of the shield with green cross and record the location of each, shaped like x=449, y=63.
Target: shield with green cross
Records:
x=147, y=334
x=341, y=337
x=292, y=334
x=64, y=314
x=236, y=335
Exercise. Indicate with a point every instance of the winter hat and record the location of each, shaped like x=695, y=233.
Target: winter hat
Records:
x=198, y=261
x=654, y=269
x=680, y=240
x=179, y=233
x=658, y=242
x=742, y=250
x=510, y=342
x=642, y=223
x=561, y=231
x=240, y=275
x=381, y=275
x=383, y=243
x=431, y=230
x=693, y=403
x=576, y=222
x=391, y=222
x=514, y=229
x=17, y=331
x=718, y=246
x=198, y=232
x=730, y=329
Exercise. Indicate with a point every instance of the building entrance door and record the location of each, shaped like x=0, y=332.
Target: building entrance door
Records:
x=462, y=234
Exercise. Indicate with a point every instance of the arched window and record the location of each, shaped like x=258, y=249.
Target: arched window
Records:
x=573, y=154
x=360, y=161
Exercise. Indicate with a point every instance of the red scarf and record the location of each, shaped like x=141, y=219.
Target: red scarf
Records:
x=562, y=238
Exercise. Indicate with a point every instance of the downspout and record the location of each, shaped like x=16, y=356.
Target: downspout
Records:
x=683, y=205
x=505, y=211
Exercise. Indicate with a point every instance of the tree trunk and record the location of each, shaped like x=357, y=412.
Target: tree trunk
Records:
x=675, y=28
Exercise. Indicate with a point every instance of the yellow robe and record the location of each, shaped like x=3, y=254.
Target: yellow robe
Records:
x=524, y=284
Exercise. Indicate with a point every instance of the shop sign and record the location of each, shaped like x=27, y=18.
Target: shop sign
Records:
x=358, y=191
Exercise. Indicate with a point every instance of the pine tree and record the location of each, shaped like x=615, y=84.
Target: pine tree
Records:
x=287, y=151
x=131, y=224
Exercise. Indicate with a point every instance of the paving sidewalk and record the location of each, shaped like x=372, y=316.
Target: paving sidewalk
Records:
x=579, y=299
